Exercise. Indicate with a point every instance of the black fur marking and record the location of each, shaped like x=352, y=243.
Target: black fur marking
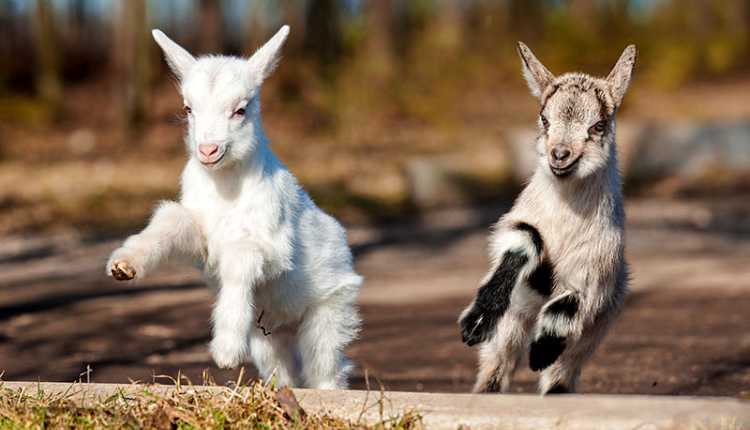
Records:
x=259, y=324
x=567, y=305
x=492, y=299
x=545, y=350
x=535, y=236
x=542, y=279
x=521, y=53
x=558, y=389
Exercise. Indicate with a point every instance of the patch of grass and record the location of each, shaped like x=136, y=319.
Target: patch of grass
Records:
x=253, y=406
x=26, y=111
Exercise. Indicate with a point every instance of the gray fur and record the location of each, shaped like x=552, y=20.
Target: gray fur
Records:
x=580, y=216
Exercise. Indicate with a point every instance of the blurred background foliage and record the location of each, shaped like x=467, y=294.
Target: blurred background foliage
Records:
x=365, y=88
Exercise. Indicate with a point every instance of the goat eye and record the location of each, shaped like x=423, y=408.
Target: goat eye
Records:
x=600, y=126
x=239, y=112
x=187, y=110
x=545, y=123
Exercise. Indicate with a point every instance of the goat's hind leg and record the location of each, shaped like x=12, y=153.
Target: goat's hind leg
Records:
x=565, y=340
x=273, y=356
x=562, y=376
x=326, y=329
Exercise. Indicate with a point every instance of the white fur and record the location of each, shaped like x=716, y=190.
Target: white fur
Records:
x=258, y=236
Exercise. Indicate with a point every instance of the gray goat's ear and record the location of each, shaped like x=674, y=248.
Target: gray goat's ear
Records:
x=537, y=76
x=179, y=60
x=619, y=77
x=267, y=56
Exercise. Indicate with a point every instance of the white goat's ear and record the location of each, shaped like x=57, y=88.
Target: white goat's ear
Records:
x=619, y=77
x=178, y=58
x=536, y=75
x=265, y=59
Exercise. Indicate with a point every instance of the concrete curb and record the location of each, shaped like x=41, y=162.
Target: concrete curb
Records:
x=449, y=411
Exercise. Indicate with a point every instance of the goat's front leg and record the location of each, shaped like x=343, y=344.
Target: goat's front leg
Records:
x=506, y=305
x=516, y=254
x=171, y=230
x=240, y=269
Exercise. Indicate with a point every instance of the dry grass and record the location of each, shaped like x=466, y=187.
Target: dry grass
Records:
x=182, y=406
x=87, y=173
x=120, y=193
x=92, y=194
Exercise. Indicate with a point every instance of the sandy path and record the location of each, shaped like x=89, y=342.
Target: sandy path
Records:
x=684, y=331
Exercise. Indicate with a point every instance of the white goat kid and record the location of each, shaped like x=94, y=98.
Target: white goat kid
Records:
x=558, y=274
x=259, y=238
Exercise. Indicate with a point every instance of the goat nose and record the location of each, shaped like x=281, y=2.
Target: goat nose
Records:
x=208, y=149
x=560, y=154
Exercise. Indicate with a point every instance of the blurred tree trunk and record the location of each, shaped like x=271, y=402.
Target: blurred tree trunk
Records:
x=210, y=33
x=132, y=44
x=410, y=22
x=323, y=39
x=476, y=18
x=584, y=9
x=7, y=22
x=526, y=18
x=48, y=80
x=294, y=15
x=257, y=30
x=448, y=27
x=379, y=42
x=586, y=17
x=77, y=22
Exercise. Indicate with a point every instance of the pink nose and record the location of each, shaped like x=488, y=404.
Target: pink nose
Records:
x=208, y=150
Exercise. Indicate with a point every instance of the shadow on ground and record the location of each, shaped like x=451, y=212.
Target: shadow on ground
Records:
x=683, y=331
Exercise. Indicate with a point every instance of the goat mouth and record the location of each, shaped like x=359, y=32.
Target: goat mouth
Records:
x=562, y=172
x=212, y=163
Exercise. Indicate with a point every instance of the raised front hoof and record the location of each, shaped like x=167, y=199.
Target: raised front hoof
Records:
x=476, y=327
x=122, y=270
x=227, y=353
x=545, y=351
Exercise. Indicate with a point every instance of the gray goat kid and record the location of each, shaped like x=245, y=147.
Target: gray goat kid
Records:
x=558, y=274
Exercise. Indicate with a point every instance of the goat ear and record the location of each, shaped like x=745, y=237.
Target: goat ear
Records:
x=537, y=76
x=619, y=77
x=267, y=56
x=178, y=58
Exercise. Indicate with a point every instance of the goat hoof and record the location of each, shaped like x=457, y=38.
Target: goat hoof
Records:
x=475, y=327
x=228, y=352
x=122, y=271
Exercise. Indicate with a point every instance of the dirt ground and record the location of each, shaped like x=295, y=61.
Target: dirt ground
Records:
x=685, y=329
